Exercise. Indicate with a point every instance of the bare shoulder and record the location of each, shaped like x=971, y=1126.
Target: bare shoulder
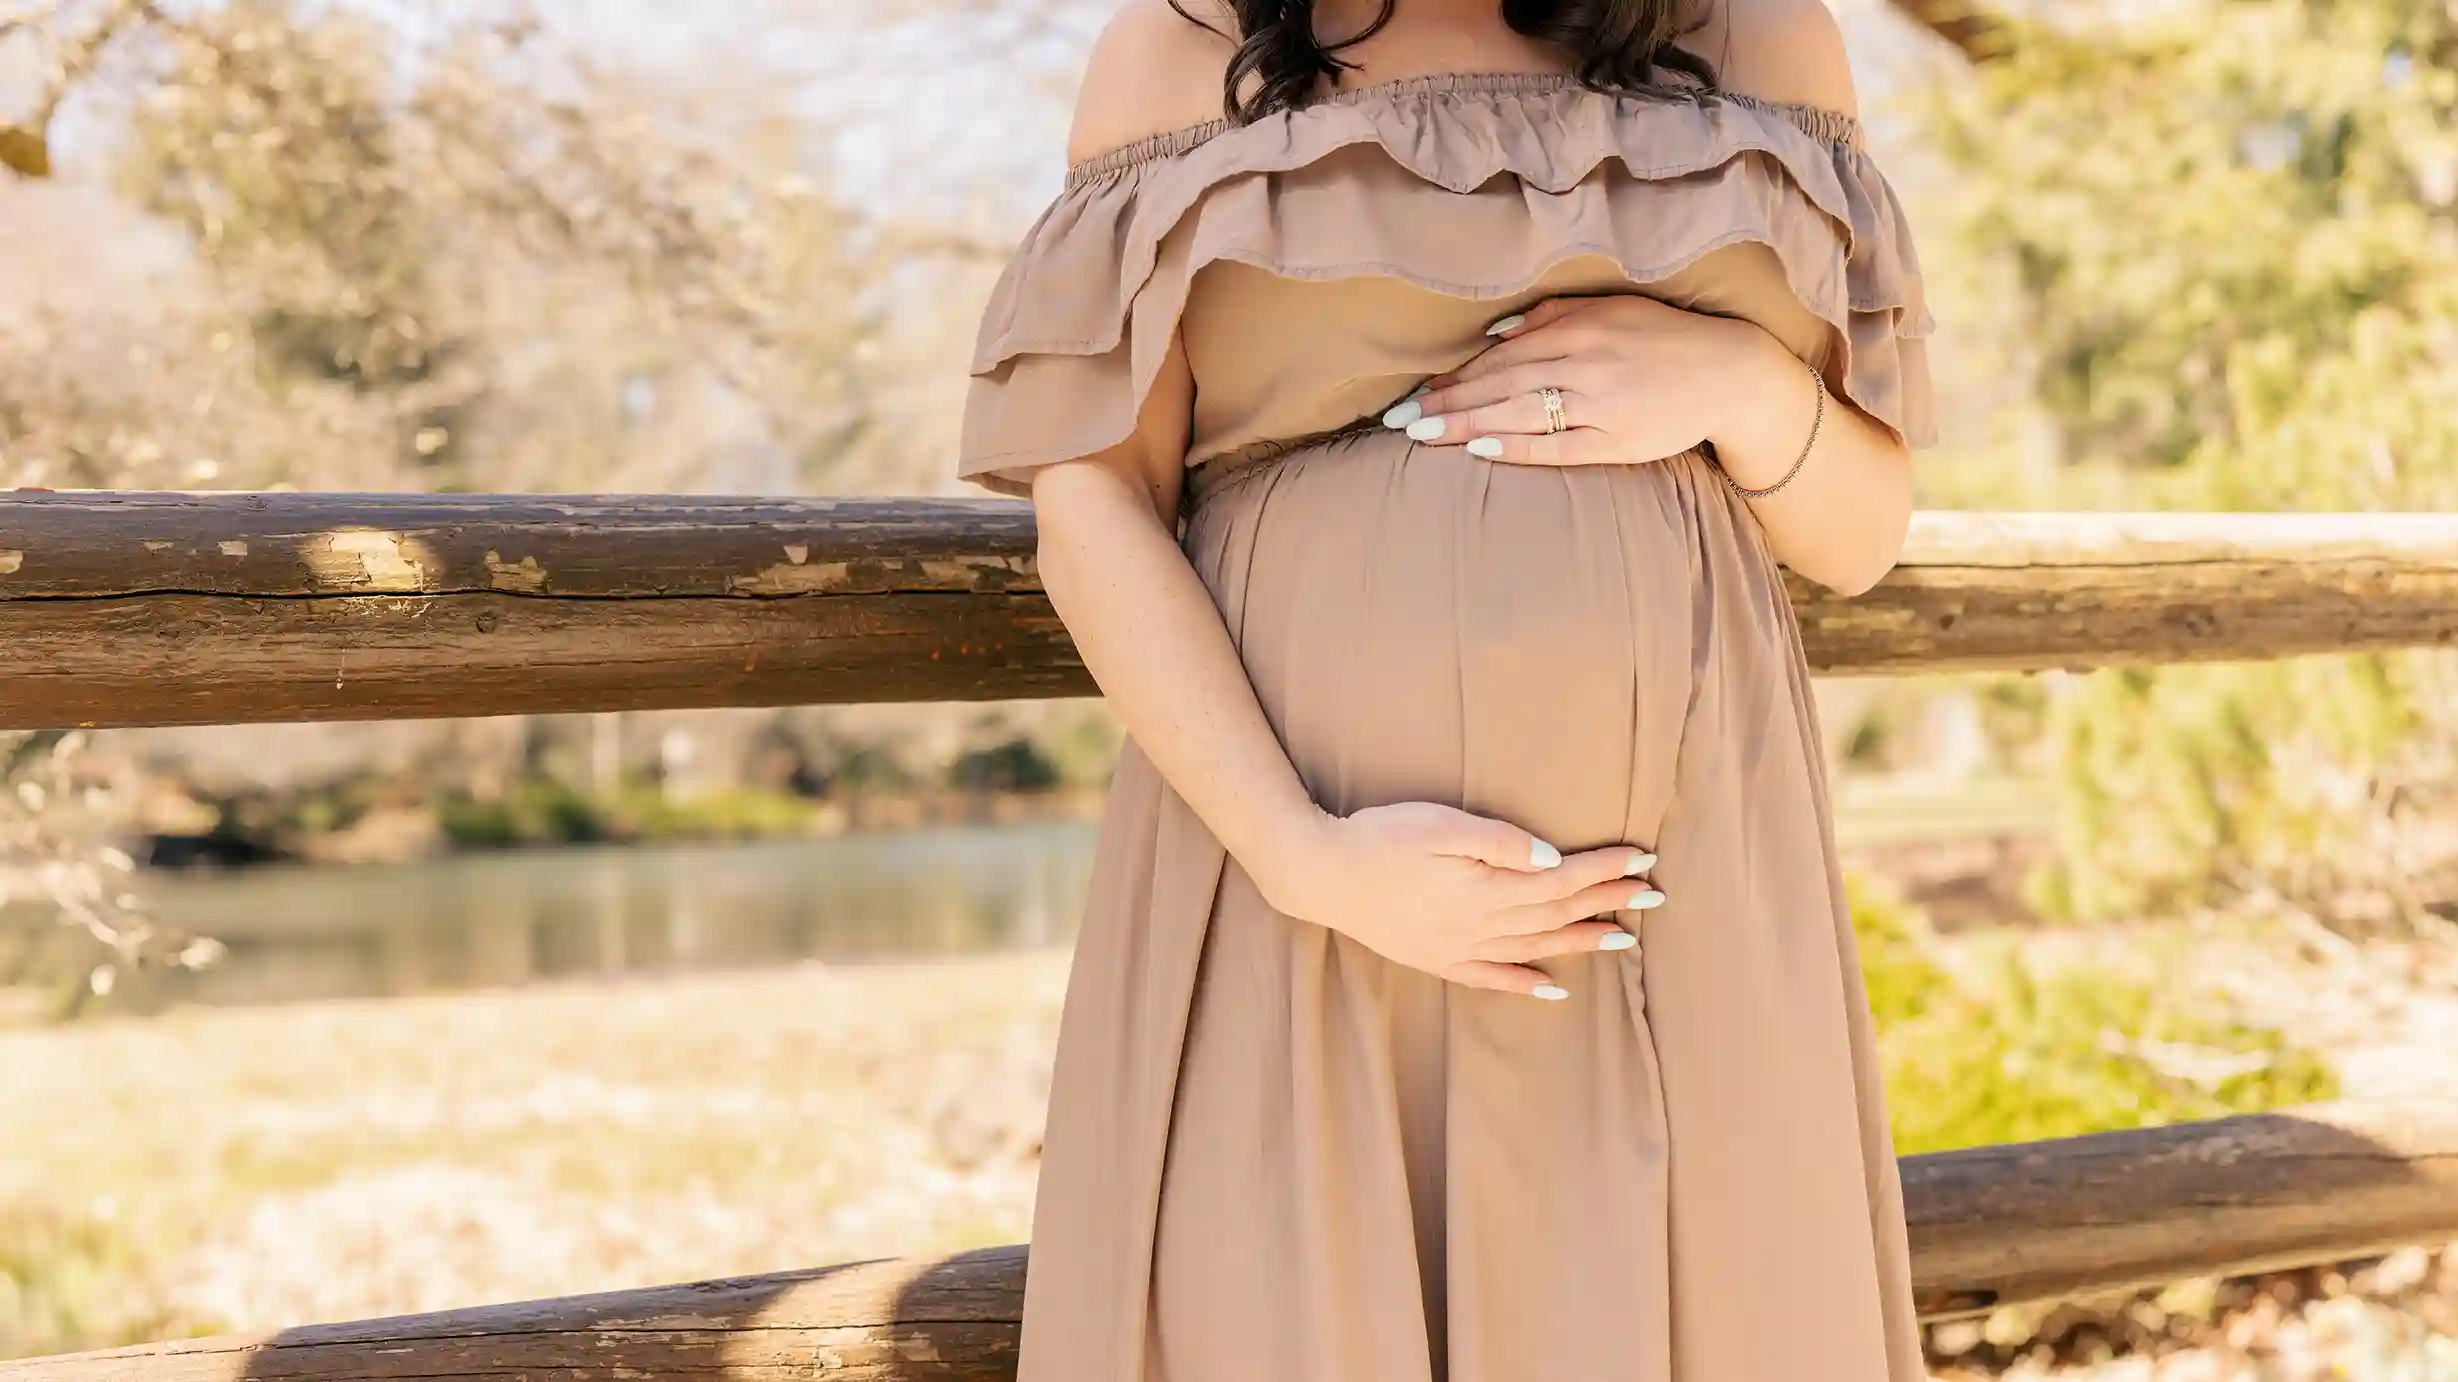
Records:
x=1154, y=69
x=1778, y=50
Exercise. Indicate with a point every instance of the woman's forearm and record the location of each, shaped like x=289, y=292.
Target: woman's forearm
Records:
x=1842, y=519
x=1153, y=639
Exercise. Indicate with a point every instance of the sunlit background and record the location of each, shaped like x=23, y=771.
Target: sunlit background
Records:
x=324, y=1022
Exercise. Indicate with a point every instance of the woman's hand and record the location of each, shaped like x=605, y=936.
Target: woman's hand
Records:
x=1461, y=897
x=1639, y=381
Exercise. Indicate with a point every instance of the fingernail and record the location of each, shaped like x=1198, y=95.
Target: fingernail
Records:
x=1544, y=856
x=1512, y=322
x=1639, y=863
x=1617, y=940
x=1552, y=993
x=1425, y=428
x=1645, y=898
x=1488, y=447
x=1403, y=413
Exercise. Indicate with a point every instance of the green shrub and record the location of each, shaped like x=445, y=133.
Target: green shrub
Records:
x=548, y=812
x=538, y=811
x=735, y=813
x=2317, y=782
x=1018, y=765
x=2015, y=1056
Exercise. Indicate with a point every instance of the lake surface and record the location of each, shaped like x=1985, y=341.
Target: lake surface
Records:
x=297, y=932
x=494, y=920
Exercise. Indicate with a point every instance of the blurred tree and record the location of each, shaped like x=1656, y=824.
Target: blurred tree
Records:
x=2233, y=229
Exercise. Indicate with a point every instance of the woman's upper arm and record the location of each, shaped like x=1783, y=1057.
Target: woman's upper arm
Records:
x=1153, y=457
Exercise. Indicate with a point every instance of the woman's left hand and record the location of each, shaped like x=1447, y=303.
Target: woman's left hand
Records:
x=1639, y=381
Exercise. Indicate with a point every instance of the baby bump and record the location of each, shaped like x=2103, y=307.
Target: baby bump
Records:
x=1420, y=624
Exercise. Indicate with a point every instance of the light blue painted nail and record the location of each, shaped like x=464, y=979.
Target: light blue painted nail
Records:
x=1639, y=863
x=1488, y=447
x=1544, y=856
x=1425, y=429
x=1617, y=940
x=1512, y=322
x=1404, y=413
x=1552, y=993
x=1645, y=898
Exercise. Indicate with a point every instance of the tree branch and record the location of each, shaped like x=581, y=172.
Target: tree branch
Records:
x=1977, y=33
x=25, y=149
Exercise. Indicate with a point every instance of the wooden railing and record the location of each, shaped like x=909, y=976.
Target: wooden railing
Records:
x=136, y=609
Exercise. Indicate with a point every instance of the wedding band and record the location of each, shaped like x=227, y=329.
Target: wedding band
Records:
x=1555, y=420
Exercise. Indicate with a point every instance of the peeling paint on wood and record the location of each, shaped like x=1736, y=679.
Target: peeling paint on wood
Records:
x=793, y=579
x=525, y=577
x=611, y=548
x=10, y=561
x=382, y=563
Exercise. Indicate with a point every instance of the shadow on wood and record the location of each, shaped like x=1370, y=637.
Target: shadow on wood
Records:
x=953, y=1320
x=1990, y=1226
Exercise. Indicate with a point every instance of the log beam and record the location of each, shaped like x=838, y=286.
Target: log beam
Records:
x=151, y=609
x=1989, y=1226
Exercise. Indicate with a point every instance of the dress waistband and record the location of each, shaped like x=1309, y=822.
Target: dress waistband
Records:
x=1206, y=478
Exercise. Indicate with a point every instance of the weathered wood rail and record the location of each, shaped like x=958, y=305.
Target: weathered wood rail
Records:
x=1992, y=1225
x=145, y=609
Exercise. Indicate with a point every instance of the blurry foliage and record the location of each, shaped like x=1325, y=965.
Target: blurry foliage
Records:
x=2322, y=785
x=455, y=252
x=472, y=260
x=69, y=1279
x=541, y=271
x=2232, y=227
x=551, y=812
x=56, y=821
x=2013, y=1055
x=1886, y=730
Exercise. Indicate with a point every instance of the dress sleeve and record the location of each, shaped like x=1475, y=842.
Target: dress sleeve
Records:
x=1066, y=352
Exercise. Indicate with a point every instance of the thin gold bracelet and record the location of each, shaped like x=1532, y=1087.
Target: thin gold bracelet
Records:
x=1816, y=422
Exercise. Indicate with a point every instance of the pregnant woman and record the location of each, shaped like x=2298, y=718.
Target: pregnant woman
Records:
x=1466, y=993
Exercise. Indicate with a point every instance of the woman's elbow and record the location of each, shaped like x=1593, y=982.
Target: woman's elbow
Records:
x=1854, y=567
x=1858, y=578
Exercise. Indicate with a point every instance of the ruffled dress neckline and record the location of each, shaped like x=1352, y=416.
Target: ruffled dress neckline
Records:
x=1487, y=189
x=1820, y=122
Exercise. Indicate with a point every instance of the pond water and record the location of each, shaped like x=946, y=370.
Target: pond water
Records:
x=495, y=920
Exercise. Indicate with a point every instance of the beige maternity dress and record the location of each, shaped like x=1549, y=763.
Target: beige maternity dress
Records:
x=1274, y=1156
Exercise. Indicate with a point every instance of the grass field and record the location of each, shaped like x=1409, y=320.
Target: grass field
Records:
x=246, y=1168
x=241, y=1168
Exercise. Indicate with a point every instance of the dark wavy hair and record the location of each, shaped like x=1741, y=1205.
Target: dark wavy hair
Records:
x=1615, y=45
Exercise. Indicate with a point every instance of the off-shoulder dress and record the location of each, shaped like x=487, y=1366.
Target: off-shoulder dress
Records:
x=1272, y=1155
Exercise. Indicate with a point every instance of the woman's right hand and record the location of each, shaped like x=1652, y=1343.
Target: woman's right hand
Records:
x=1461, y=897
